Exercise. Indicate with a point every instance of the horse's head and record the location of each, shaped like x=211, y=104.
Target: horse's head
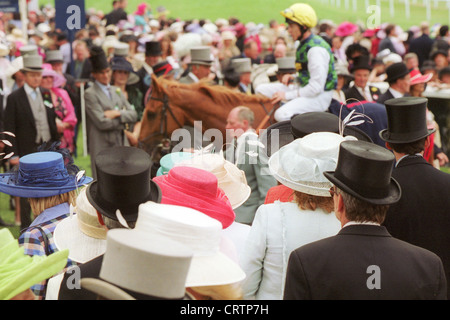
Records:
x=159, y=120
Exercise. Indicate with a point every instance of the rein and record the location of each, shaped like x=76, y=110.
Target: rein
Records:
x=163, y=125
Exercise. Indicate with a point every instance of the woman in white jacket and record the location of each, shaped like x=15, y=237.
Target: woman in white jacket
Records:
x=279, y=228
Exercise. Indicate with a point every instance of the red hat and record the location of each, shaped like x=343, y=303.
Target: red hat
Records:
x=197, y=189
x=417, y=77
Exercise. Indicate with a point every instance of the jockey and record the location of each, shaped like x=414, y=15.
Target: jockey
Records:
x=314, y=62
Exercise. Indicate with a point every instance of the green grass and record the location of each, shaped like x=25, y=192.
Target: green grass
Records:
x=262, y=11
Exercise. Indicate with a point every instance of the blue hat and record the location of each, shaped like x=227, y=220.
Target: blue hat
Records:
x=169, y=160
x=41, y=174
x=121, y=63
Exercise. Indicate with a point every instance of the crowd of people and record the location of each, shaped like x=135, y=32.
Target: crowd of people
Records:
x=350, y=203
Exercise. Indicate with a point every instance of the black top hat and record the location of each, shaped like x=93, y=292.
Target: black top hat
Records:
x=396, y=71
x=407, y=120
x=153, y=49
x=364, y=171
x=310, y=122
x=123, y=182
x=274, y=139
x=361, y=62
x=98, y=59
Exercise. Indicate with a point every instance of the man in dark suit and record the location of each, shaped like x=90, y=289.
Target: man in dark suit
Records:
x=422, y=45
x=399, y=82
x=422, y=216
x=360, y=90
x=30, y=116
x=118, y=13
x=363, y=261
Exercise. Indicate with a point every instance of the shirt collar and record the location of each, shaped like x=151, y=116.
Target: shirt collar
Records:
x=101, y=85
x=395, y=93
x=51, y=213
x=407, y=155
x=370, y=223
x=29, y=89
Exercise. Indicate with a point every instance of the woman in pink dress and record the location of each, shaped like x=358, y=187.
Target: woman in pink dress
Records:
x=59, y=99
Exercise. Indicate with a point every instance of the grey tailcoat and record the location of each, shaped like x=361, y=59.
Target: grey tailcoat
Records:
x=102, y=132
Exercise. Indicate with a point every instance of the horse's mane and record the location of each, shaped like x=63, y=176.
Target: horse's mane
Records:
x=221, y=95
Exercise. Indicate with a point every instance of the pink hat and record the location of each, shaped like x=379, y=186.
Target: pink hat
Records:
x=197, y=189
x=58, y=79
x=417, y=77
x=346, y=29
x=141, y=9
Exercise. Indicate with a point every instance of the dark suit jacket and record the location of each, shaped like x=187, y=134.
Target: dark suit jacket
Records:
x=386, y=43
x=422, y=216
x=422, y=47
x=90, y=269
x=345, y=266
x=19, y=119
x=353, y=93
x=115, y=16
x=86, y=71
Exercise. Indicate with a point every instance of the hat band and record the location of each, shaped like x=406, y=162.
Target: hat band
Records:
x=48, y=177
x=407, y=136
x=364, y=190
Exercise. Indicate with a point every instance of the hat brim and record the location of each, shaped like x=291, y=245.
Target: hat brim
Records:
x=394, y=193
x=312, y=188
x=386, y=136
x=39, y=268
x=421, y=79
x=397, y=76
x=8, y=187
x=213, y=270
x=82, y=248
x=105, y=289
x=109, y=210
x=203, y=63
x=32, y=69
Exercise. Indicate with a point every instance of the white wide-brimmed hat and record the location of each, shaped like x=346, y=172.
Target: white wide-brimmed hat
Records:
x=203, y=234
x=81, y=233
x=300, y=164
x=230, y=178
x=141, y=265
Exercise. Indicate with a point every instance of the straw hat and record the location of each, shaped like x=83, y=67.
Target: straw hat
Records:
x=417, y=77
x=197, y=189
x=230, y=178
x=300, y=164
x=18, y=271
x=4, y=50
x=142, y=266
x=82, y=233
x=42, y=174
x=209, y=266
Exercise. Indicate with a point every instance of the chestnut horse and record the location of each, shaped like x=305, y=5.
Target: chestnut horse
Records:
x=173, y=105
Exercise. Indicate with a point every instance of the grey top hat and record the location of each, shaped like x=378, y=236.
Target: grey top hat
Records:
x=201, y=55
x=286, y=64
x=242, y=65
x=121, y=49
x=54, y=56
x=32, y=63
x=29, y=49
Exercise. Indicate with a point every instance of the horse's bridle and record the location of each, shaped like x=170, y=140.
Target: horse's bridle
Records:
x=163, y=125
